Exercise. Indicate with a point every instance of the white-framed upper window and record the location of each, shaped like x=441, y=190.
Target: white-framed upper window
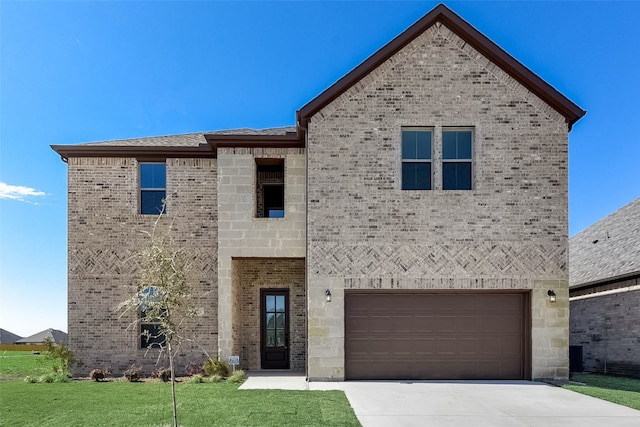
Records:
x=417, y=149
x=153, y=188
x=457, y=159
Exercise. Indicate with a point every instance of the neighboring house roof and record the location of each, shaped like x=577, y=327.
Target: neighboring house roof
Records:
x=192, y=145
x=7, y=337
x=55, y=335
x=608, y=249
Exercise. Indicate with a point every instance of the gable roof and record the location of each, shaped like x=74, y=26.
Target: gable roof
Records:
x=193, y=145
x=608, y=249
x=469, y=34
x=55, y=335
x=7, y=337
x=199, y=144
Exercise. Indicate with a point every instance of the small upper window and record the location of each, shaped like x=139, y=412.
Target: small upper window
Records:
x=416, y=159
x=153, y=188
x=457, y=159
x=269, y=188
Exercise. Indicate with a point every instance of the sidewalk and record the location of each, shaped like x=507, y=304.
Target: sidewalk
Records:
x=286, y=380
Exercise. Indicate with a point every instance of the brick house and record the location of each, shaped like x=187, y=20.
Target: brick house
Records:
x=604, y=294
x=412, y=224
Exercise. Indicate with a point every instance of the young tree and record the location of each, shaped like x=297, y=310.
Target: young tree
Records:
x=163, y=296
x=59, y=354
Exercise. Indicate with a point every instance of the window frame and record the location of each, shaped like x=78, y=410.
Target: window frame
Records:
x=469, y=161
x=429, y=161
x=163, y=207
x=151, y=335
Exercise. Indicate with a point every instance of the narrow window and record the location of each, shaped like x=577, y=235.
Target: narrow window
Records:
x=151, y=334
x=416, y=159
x=457, y=159
x=270, y=188
x=153, y=188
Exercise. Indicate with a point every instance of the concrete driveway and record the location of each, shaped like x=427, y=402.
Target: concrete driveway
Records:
x=479, y=403
x=462, y=403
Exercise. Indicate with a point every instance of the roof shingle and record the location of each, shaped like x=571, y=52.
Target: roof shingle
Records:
x=609, y=248
x=187, y=139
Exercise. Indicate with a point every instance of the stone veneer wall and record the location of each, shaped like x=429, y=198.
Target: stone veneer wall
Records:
x=509, y=232
x=106, y=230
x=273, y=273
x=242, y=235
x=607, y=327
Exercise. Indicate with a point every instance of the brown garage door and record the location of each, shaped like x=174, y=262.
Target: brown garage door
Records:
x=432, y=335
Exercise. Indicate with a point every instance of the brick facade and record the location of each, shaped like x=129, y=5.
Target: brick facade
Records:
x=509, y=232
x=347, y=222
x=106, y=231
x=269, y=273
x=606, y=324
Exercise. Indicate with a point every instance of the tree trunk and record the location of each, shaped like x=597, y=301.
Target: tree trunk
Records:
x=173, y=385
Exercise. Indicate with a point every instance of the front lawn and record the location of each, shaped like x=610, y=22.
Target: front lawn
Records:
x=19, y=364
x=117, y=403
x=624, y=391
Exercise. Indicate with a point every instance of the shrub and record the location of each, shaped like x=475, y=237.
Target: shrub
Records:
x=193, y=368
x=237, y=376
x=54, y=377
x=99, y=374
x=215, y=378
x=196, y=379
x=133, y=374
x=164, y=374
x=46, y=378
x=60, y=355
x=216, y=367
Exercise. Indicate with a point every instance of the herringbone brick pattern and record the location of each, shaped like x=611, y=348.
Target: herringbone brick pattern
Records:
x=468, y=260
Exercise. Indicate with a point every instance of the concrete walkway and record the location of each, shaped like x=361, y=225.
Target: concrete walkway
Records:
x=283, y=381
x=464, y=403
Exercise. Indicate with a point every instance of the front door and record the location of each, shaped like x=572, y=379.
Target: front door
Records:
x=274, y=327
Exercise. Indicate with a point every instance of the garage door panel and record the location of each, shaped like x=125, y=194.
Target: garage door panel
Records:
x=510, y=347
x=468, y=346
x=435, y=335
x=467, y=323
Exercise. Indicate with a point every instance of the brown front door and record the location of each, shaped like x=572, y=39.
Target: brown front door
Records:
x=274, y=327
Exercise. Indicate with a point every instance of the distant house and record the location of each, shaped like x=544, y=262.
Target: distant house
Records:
x=411, y=225
x=53, y=334
x=604, y=280
x=7, y=337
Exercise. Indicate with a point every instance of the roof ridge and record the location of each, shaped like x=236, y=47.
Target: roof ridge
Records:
x=470, y=35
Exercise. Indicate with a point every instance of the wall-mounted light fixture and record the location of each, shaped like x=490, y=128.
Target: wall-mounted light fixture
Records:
x=552, y=295
x=327, y=293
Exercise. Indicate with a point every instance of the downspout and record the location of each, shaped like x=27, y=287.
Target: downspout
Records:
x=306, y=243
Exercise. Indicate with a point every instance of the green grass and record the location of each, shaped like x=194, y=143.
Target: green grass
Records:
x=19, y=364
x=119, y=403
x=624, y=391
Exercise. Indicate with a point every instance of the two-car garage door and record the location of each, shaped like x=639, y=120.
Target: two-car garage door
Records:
x=436, y=335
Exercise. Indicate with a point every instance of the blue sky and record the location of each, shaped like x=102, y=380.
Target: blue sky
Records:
x=82, y=71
